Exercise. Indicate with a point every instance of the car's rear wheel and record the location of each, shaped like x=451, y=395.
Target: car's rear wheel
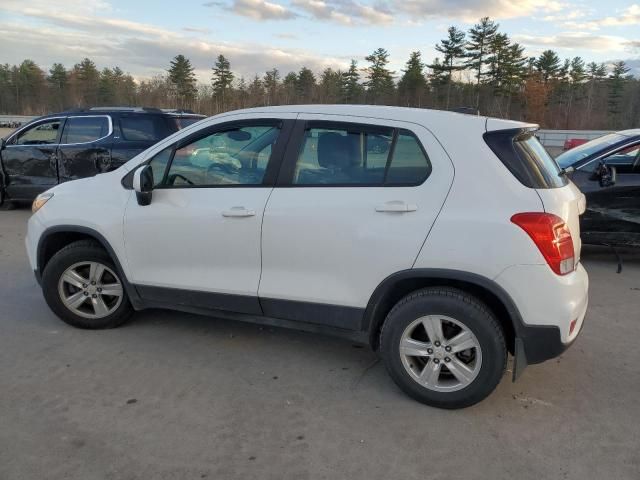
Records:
x=443, y=347
x=82, y=286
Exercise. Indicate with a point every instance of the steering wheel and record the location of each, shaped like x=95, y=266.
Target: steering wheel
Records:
x=173, y=177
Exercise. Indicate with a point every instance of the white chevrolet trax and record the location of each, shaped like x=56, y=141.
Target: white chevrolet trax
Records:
x=443, y=240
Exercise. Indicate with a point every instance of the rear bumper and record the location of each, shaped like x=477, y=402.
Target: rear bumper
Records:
x=547, y=304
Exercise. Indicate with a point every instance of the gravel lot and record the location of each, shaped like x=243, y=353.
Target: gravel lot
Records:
x=178, y=396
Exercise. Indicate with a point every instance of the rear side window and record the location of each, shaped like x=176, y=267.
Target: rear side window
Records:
x=142, y=127
x=85, y=129
x=526, y=158
x=353, y=155
x=182, y=122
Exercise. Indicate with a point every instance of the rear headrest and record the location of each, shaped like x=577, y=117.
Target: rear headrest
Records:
x=337, y=151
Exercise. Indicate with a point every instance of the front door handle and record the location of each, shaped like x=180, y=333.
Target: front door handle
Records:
x=239, y=212
x=397, y=206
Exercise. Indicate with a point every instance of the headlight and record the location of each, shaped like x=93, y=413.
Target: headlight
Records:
x=40, y=200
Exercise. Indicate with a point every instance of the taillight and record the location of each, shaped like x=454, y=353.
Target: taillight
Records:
x=552, y=236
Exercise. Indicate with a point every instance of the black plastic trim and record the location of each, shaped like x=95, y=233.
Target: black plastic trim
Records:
x=348, y=318
x=199, y=299
x=526, y=171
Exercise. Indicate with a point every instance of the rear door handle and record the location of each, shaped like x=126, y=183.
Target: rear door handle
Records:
x=239, y=212
x=397, y=206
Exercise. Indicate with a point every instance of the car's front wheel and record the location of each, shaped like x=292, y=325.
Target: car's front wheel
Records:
x=443, y=347
x=82, y=286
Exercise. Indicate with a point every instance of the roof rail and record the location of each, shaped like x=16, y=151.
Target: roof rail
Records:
x=129, y=109
x=178, y=110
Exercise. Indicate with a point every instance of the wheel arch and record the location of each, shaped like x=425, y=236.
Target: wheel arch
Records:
x=55, y=238
x=400, y=284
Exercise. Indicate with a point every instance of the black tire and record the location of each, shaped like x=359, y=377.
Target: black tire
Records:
x=474, y=315
x=81, y=251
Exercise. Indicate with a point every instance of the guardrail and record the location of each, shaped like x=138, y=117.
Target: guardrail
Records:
x=13, y=121
x=557, y=138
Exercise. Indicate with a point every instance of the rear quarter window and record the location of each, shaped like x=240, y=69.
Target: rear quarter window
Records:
x=146, y=128
x=526, y=158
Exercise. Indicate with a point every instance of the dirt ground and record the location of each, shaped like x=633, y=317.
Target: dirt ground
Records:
x=178, y=396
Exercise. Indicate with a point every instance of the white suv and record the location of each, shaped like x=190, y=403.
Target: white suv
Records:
x=443, y=240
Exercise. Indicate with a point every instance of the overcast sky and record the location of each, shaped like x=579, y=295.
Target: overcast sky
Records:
x=142, y=36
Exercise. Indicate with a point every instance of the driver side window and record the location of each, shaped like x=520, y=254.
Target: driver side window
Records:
x=626, y=160
x=237, y=156
x=45, y=133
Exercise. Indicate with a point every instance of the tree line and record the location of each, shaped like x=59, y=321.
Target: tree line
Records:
x=481, y=69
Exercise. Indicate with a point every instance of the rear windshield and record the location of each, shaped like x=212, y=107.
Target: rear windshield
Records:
x=526, y=158
x=570, y=157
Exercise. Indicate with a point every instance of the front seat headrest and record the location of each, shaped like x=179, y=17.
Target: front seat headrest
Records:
x=336, y=150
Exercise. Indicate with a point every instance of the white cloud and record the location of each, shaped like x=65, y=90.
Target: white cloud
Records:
x=471, y=10
x=629, y=16
x=574, y=41
x=385, y=12
x=143, y=50
x=346, y=12
x=256, y=9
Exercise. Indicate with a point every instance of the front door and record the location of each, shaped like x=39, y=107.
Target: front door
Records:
x=356, y=202
x=198, y=242
x=613, y=210
x=29, y=159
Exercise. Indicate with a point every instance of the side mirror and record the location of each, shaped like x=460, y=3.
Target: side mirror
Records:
x=3, y=144
x=143, y=184
x=606, y=175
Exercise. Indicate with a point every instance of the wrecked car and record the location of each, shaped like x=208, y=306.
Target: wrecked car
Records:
x=607, y=170
x=80, y=143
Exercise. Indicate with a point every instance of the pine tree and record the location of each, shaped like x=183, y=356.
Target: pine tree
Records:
x=183, y=79
x=256, y=92
x=290, y=87
x=548, y=64
x=87, y=78
x=330, y=86
x=305, y=85
x=57, y=79
x=480, y=37
x=413, y=83
x=221, y=80
x=452, y=49
x=577, y=75
x=271, y=82
x=380, y=79
x=106, y=87
x=616, y=83
x=351, y=88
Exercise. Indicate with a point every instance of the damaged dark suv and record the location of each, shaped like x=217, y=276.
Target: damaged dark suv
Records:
x=81, y=143
x=607, y=170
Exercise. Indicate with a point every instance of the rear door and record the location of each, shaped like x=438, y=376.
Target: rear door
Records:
x=134, y=133
x=354, y=203
x=29, y=159
x=85, y=147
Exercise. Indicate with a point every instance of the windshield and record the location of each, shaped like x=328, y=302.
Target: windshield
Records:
x=576, y=154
